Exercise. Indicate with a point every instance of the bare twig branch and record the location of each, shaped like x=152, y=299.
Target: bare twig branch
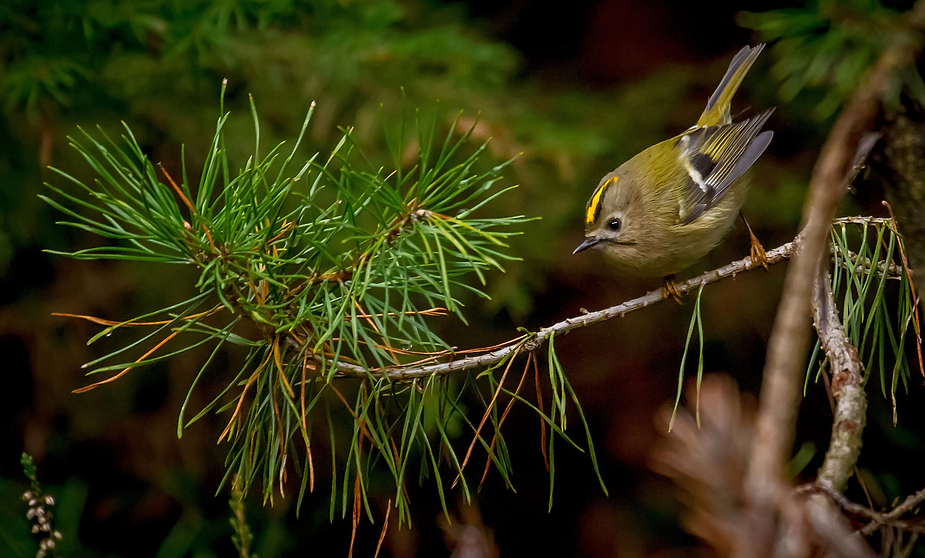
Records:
x=847, y=387
x=862, y=220
x=909, y=504
x=893, y=271
x=530, y=343
x=879, y=520
x=836, y=496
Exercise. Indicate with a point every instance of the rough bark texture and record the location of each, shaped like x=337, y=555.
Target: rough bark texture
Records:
x=847, y=388
x=898, y=166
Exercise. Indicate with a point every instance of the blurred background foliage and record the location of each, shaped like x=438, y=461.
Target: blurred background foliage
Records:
x=571, y=91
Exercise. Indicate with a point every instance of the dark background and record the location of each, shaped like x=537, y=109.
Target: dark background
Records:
x=576, y=87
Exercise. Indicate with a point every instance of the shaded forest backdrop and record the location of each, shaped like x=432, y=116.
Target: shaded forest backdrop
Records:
x=571, y=93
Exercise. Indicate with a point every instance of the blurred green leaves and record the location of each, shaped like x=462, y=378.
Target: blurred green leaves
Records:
x=158, y=64
x=830, y=45
x=53, y=51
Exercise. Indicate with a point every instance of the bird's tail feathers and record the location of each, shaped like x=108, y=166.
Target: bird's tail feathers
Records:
x=718, y=107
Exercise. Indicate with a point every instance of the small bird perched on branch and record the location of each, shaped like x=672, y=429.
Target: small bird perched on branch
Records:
x=668, y=206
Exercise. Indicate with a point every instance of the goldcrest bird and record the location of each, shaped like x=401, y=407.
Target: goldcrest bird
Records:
x=668, y=206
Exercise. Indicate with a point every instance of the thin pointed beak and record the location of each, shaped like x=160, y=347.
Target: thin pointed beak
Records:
x=589, y=242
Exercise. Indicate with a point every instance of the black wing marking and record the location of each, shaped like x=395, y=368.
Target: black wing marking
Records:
x=715, y=156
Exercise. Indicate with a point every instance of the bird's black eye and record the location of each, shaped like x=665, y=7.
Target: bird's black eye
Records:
x=614, y=225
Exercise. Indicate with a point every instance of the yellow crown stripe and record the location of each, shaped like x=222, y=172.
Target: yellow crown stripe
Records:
x=596, y=200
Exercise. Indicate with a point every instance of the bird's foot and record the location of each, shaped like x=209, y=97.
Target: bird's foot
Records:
x=757, y=252
x=671, y=289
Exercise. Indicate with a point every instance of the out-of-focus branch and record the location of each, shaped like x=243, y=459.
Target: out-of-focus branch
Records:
x=831, y=529
x=707, y=458
x=790, y=337
x=708, y=461
x=847, y=388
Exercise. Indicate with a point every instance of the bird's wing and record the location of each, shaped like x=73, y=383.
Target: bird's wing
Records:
x=715, y=156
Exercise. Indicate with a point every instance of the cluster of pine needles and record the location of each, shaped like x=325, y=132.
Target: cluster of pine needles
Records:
x=333, y=276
